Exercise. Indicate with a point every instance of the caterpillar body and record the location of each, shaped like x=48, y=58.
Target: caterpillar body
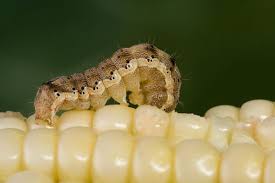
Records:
x=148, y=73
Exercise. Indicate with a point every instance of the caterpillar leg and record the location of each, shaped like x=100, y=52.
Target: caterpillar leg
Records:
x=137, y=98
x=98, y=101
x=113, y=81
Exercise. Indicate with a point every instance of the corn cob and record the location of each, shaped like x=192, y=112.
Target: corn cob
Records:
x=119, y=144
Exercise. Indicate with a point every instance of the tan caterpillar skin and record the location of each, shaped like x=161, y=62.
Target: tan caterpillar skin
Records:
x=148, y=73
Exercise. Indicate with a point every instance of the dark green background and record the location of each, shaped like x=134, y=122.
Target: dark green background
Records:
x=225, y=49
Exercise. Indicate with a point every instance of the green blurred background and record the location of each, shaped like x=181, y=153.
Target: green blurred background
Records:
x=225, y=49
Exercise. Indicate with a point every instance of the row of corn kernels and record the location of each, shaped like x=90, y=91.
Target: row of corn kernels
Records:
x=223, y=125
x=78, y=155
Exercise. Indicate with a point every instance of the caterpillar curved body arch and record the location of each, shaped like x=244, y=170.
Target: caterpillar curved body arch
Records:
x=148, y=73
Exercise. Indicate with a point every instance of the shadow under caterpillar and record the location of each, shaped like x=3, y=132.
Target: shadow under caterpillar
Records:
x=148, y=73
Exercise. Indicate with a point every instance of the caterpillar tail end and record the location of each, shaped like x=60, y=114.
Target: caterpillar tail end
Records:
x=43, y=105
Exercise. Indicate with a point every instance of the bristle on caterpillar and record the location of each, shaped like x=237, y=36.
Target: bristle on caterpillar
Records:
x=148, y=73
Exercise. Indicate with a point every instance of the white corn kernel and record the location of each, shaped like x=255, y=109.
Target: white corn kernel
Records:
x=150, y=121
x=224, y=111
x=187, y=126
x=29, y=177
x=265, y=134
x=247, y=127
x=269, y=169
x=196, y=161
x=242, y=163
x=113, y=117
x=220, y=131
x=32, y=123
x=152, y=161
x=240, y=136
x=40, y=151
x=75, y=148
x=12, y=114
x=112, y=157
x=11, y=145
x=12, y=120
x=256, y=111
x=76, y=118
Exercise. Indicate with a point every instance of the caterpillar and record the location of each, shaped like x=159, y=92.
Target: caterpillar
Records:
x=149, y=74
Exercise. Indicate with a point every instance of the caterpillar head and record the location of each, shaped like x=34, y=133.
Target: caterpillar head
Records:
x=150, y=52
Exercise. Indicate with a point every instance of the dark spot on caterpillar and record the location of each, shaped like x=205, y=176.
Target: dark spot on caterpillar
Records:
x=82, y=88
x=111, y=72
x=73, y=88
x=152, y=56
x=55, y=90
x=96, y=83
x=68, y=78
x=173, y=61
x=58, y=94
x=127, y=61
x=171, y=68
x=118, y=56
x=178, y=80
x=93, y=88
x=83, y=93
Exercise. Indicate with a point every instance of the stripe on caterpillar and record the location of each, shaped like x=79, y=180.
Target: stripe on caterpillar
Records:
x=150, y=74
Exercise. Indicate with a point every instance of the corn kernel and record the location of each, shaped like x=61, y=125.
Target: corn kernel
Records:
x=150, y=121
x=29, y=177
x=256, y=111
x=242, y=163
x=224, y=111
x=112, y=117
x=11, y=145
x=196, y=162
x=40, y=151
x=187, y=126
x=220, y=131
x=12, y=120
x=75, y=118
x=75, y=148
x=112, y=157
x=265, y=134
x=152, y=161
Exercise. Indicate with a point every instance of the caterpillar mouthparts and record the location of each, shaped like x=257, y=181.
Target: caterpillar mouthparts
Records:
x=148, y=73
